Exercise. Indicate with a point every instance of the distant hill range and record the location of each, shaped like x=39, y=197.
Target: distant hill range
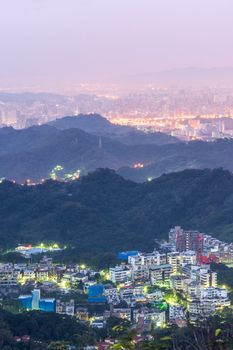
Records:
x=104, y=212
x=97, y=125
x=84, y=142
x=190, y=155
x=89, y=142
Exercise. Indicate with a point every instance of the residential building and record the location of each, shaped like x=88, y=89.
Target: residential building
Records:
x=119, y=274
x=160, y=274
x=189, y=240
x=66, y=308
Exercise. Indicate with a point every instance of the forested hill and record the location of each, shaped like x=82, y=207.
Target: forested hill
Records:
x=180, y=156
x=97, y=125
x=104, y=212
x=35, y=152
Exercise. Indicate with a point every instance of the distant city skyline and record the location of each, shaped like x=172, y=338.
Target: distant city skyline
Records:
x=58, y=43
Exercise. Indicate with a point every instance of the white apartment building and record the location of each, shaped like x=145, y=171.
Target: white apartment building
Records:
x=160, y=273
x=176, y=312
x=119, y=274
x=8, y=277
x=215, y=296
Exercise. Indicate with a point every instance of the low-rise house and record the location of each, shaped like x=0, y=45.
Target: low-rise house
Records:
x=65, y=307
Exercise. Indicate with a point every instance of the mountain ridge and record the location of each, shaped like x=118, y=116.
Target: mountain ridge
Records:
x=34, y=152
x=116, y=214
x=100, y=126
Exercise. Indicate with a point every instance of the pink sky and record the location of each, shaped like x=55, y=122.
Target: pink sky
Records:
x=52, y=40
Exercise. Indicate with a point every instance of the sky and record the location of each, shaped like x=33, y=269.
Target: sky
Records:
x=49, y=41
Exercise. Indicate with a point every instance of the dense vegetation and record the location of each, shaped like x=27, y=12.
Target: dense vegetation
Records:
x=46, y=331
x=180, y=156
x=102, y=212
x=225, y=277
x=58, y=332
x=216, y=333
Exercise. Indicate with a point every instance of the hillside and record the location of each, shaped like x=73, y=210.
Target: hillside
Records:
x=32, y=153
x=98, y=125
x=72, y=149
x=15, y=141
x=92, y=123
x=190, y=155
x=103, y=212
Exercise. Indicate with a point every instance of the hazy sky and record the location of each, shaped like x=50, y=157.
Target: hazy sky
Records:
x=87, y=40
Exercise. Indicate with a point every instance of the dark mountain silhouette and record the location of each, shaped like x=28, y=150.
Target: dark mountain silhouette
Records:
x=191, y=155
x=15, y=141
x=72, y=149
x=104, y=212
x=98, y=125
x=32, y=153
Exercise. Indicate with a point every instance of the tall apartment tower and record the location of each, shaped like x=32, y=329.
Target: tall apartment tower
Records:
x=36, y=299
x=189, y=240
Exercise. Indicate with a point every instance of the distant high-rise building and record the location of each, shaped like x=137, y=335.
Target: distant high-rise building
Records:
x=189, y=240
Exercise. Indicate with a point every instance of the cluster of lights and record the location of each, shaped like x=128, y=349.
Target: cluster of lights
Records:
x=138, y=166
x=56, y=169
x=105, y=275
x=57, y=173
x=48, y=247
x=64, y=284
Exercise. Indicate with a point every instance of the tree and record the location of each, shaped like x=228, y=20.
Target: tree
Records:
x=58, y=345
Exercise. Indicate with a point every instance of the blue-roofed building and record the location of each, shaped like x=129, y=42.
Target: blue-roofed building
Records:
x=125, y=255
x=34, y=302
x=96, y=294
x=47, y=305
x=26, y=301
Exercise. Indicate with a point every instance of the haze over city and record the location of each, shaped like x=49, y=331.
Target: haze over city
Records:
x=116, y=174
x=56, y=43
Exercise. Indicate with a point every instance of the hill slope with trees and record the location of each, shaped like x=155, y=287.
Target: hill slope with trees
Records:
x=97, y=125
x=103, y=212
x=180, y=156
